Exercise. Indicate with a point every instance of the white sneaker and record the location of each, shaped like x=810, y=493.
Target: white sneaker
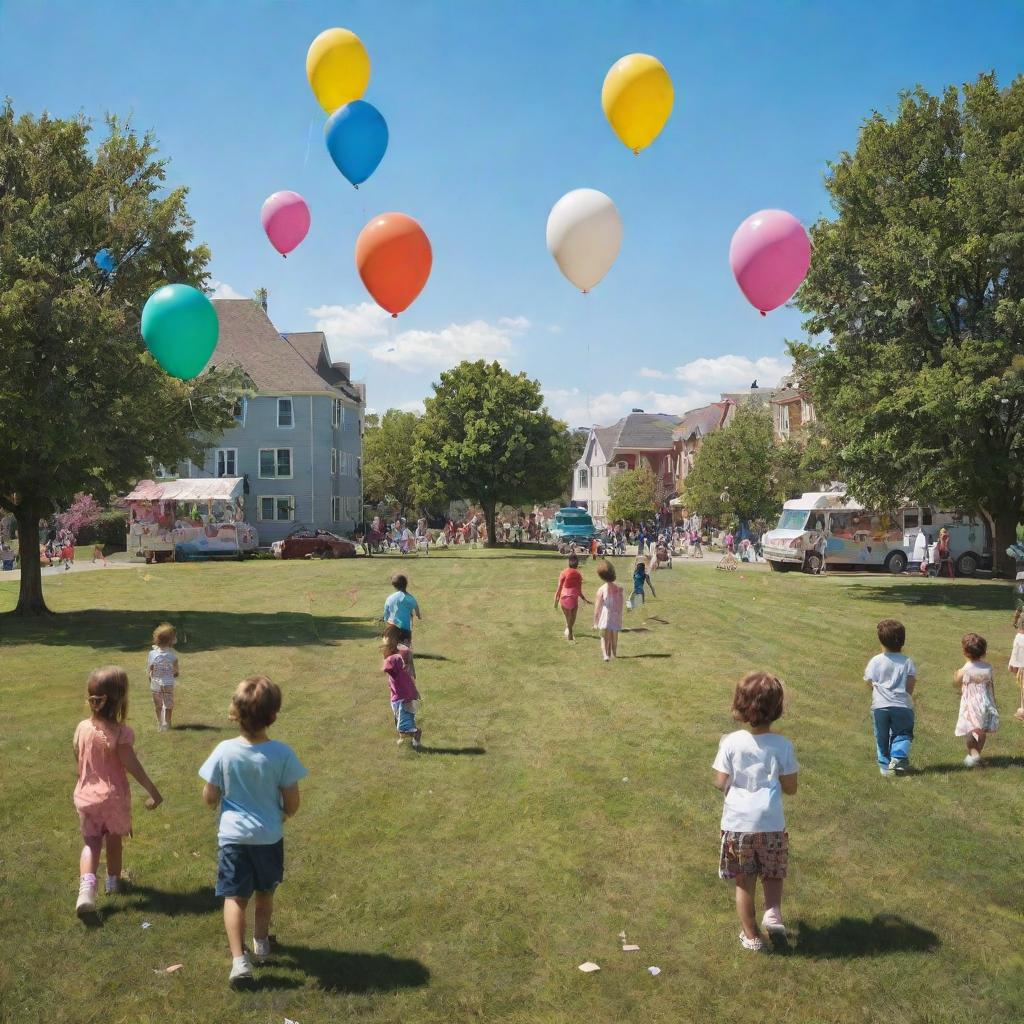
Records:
x=86, y=898
x=755, y=945
x=260, y=949
x=972, y=760
x=566, y=633
x=241, y=971
x=772, y=922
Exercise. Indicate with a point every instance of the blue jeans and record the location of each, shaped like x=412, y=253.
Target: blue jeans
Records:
x=894, y=731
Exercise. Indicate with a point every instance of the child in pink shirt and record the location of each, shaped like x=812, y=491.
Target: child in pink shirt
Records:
x=404, y=694
x=105, y=752
x=608, y=610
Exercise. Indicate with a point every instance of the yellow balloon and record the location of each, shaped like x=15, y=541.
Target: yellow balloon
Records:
x=338, y=68
x=637, y=97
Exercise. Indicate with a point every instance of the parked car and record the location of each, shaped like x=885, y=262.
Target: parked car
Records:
x=573, y=525
x=303, y=541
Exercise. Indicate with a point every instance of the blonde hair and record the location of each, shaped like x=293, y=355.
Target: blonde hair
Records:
x=107, y=693
x=255, y=703
x=164, y=635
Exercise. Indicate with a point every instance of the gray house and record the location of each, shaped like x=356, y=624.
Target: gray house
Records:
x=298, y=436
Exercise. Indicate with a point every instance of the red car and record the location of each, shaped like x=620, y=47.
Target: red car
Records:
x=319, y=543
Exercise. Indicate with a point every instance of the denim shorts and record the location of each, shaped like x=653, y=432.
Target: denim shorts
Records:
x=405, y=717
x=243, y=869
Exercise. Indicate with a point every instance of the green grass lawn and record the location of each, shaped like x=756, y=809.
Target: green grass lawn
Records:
x=561, y=801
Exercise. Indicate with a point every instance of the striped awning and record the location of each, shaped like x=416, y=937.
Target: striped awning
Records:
x=223, y=488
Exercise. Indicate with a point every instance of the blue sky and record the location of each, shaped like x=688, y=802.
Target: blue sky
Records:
x=494, y=113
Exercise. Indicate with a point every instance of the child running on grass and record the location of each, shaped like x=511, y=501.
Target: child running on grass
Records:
x=402, y=684
x=254, y=782
x=569, y=593
x=608, y=610
x=978, y=713
x=162, y=666
x=105, y=752
x=641, y=577
x=753, y=769
x=892, y=676
x=1017, y=666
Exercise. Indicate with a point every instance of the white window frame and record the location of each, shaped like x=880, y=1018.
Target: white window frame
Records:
x=336, y=515
x=240, y=419
x=276, y=475
x=275, y=518
x=337, y=413
x=334, y=463
x=622, y=464
x=291, y=406
x=784, y=420
x=582, y=477
x=234, y=462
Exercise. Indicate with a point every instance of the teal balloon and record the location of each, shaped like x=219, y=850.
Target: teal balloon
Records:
x=180, y=328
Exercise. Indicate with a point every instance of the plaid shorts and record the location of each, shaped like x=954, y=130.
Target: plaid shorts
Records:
x=754, y=853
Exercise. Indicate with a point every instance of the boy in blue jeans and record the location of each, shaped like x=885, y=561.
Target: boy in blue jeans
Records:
x=255, y=782
x=892, y=676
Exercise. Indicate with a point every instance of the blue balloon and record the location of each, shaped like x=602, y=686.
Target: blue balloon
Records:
x=105, y=261
x=357, y=138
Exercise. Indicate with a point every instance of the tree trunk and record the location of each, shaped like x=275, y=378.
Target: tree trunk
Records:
x=489, y=510
x=30, y=596
x=1004, y=527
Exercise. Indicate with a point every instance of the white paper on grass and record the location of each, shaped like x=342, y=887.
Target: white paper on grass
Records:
x=654, y=971
x=630, y=949
x=589, y=968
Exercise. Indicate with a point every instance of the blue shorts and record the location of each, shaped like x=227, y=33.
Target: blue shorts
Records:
x=243, y=869
x=405, y=717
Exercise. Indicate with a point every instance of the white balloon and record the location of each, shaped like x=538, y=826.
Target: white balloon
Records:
x=584, y=235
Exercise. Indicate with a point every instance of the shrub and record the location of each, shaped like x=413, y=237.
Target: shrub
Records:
x=108, y=530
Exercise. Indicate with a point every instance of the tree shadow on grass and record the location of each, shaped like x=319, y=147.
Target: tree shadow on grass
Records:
x=1000, y=761
x=343, y=971
x=127, y=630
x=456, y=751
x=625, y=657
x=197, y=727
x=986, y=597
x=851, y=937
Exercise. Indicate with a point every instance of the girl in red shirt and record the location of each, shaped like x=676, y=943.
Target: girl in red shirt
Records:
x=569, y=594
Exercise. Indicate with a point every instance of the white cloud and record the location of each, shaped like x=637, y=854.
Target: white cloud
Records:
x=554, y=329
x=646, y=371
x=724, y=373
x=416, y=405
x=222, y=290
x=365, y=328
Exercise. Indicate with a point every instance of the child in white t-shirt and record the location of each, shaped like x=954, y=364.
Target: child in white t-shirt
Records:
x=892, y=676
x=1017, y=666
x=753, y=769
x=162, y=666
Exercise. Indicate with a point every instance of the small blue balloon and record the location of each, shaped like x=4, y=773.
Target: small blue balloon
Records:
x=357, y=138
x=105, y=261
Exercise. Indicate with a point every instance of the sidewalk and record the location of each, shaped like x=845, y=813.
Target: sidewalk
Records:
x=76, y=567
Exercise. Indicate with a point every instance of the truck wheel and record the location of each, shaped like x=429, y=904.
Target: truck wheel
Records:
x=812, y=563
x=967, y=564
x=896, y=563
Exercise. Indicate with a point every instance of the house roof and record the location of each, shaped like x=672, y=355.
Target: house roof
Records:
x=642, y=431
x=787, y=395
x=752, y=396
x=701, y=421
x=272, y=361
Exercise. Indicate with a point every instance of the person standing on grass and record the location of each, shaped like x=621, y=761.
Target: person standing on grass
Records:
x=892, y=676
x=569, y=593
x=608, y=610
x=753, y=769
x=105, y=753
x=1017, y=665
x=397, y=659
x=399, y=609
x=978, y=713
x=162, y=667
x=254, y=782
x=641, y=578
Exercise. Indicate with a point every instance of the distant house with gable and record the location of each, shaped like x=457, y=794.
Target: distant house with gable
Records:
x=692, y=429
x=297, y=438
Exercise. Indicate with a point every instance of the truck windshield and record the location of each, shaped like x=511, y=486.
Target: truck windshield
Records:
x=793, y=519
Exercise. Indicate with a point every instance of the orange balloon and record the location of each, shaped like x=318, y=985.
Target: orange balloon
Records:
x=393, y=257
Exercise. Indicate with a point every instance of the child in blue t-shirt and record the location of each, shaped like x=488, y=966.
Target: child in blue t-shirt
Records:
x=892, y=676
x=254, y=780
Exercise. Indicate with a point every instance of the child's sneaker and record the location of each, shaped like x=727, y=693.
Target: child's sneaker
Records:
x=1019, y=714
x=112, y=885
x=972, y=760
x=260, y=949
x=416, y=739
x=86, y=897
x=884, y=772
x=241, y=972
x=755, y=945
x=899, y=765
x=772, y=922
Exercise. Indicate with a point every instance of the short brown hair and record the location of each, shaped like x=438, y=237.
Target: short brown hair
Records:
x=892, y=634
x=758, y=699
x=974, y=645
x=390, y=639
x=164, y=635
x=107, y=690
x=399, y=582
x=255, y=703
x=606, y=570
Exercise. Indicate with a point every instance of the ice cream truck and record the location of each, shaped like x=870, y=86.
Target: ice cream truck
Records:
x=189, y=519
x=828, y=525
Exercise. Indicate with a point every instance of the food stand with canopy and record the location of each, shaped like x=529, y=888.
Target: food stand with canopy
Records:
x=185, y=519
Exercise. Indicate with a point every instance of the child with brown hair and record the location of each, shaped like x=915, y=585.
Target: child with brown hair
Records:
x=608, y=610
x=978, y=713
x=753, y=769
x=1017, y=664
x=162, y=666
x=404, y=694
x=569, y=593
x=105, y=752
x=892, y=676
x=254, y=781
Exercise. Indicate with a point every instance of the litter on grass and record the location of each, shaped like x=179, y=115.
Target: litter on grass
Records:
x=655, y=971
x=589, y=968
x=169, y=970
x=146, y=924
x=622, y=935
x=630, y=949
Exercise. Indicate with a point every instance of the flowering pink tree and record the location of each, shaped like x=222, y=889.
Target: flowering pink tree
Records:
x=84, y=511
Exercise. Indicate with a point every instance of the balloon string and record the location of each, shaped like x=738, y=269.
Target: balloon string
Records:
x=309, y=141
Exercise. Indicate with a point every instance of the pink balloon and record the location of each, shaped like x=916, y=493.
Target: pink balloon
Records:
x=286, y=219
x=769, y=255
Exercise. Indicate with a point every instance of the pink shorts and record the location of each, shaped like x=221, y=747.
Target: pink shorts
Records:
x=570, y=599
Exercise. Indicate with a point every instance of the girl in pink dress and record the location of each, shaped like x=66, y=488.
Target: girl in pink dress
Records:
x=608, y=610
x=978, y=713
x=105, y=754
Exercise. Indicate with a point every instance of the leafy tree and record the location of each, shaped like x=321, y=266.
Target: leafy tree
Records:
x=742, y=470
x=83, y=406
x=388, y=459
x=917, y=287
x=487, y=436
x=633, y=495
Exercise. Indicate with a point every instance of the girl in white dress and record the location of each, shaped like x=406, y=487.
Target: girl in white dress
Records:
x=978, y=713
